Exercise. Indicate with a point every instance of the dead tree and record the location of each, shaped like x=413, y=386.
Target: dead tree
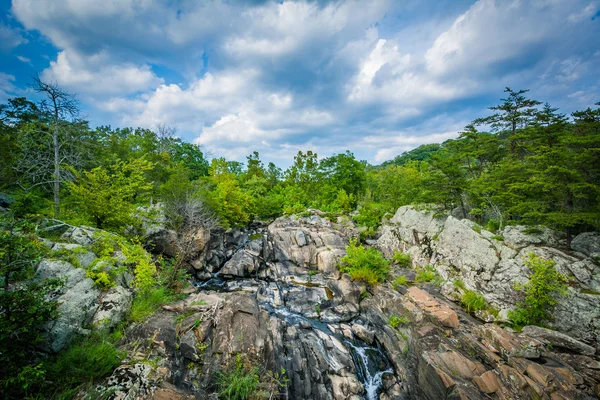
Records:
x=38, y=159
x=192, y=220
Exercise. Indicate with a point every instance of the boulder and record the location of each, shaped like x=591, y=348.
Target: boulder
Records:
x=78, y=302
x=436, y=309
x=587, y=243
x=114, y=305
x=557, y=339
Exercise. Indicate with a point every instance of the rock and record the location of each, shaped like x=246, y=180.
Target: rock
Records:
x=81, y=235
x=114, y=305
x=79, y=252
x=587, y=243
x=130, y=382
x=363, y=333
x=488, y=382
x=440, y=312
x=521, y=236
x=557, y=339
x=508, y=344
x=78, y=302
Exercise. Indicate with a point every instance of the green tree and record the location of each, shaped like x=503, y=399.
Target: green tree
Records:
x=106, y=195
x=24, y=309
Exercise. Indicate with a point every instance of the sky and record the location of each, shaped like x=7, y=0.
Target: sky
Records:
x=375, y=77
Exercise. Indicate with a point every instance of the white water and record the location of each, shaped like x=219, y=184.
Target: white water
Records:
x=371, y=383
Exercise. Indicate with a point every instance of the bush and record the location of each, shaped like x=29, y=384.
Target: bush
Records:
x=541, y=293
x=428, y=274
x=400, y=281
x=492, y=225
x=239, y=383
x=364, y=264
x=370, y=214
x=473, y=301
x=402, y=259
x=397, y=320
x=147, y=302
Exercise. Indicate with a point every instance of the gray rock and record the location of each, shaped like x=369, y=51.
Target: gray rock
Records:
x=80, y=235
x=114, y=305
x=557, y=339
x=81, y=254
x=587, y=243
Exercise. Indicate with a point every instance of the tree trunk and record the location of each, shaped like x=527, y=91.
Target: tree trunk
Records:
x=56, y=173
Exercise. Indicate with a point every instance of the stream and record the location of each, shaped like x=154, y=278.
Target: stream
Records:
x=370, y=362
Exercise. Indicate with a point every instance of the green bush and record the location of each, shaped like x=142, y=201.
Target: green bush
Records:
x=370, y=214
x=400, y=281
x=473, y=301
x=541, y=293
x=497, y=237
x=397, y=320
x=428, y=274
x=492, y=225
x=239, y=383
x=364, y=264
x=147, y=302
x=402, y=259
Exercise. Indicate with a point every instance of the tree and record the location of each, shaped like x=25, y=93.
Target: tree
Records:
x=24, y=308
x=343, y=171
x=57, y=106
x=516, y=111
x=106, y=195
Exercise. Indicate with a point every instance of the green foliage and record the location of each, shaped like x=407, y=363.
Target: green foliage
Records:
x=497, y=237
x=531, y=230
x=85, y=361
x=106, y=195
x=240, y=382
x=147, y=302
x=541, y=293
x=24, y=308
x=402, y=259
x=400, y=281
x=428, y=274
x=397, y=320
x=364, y=264
x=370, y=214
x=473, y=301
x=492, y=225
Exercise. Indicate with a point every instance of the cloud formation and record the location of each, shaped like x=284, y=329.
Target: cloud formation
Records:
x=374, y=77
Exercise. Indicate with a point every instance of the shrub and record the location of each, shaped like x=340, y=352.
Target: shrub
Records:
x=147, y=302
x=532, y=231
x=239, y=383
x=497, y=237
x=473, y=301
x=402, y=259
x=397, y=320
x=541, y=293
x=428, y=274
x=370, y=214
x=492, y=225
x=400, y=281
x=364, y=264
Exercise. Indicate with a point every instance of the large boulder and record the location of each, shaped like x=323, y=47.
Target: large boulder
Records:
x=78, y=302
x=587, y=243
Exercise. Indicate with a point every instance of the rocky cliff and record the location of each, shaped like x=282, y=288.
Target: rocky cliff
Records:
x=275, y=296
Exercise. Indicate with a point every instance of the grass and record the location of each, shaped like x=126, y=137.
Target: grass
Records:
x=87, y=360
x=402, y=259
x=147, y=302
x=239, y=383
x=497, y=237
x=397, y=320
x=532, y=231
x=473, y=301
x=364, y=264
x=400, y=281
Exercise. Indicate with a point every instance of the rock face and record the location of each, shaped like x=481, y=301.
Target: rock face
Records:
x=281, y=303
x=82, y=305
x=492, y=264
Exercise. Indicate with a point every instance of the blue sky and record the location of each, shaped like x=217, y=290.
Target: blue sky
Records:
x=377, y=77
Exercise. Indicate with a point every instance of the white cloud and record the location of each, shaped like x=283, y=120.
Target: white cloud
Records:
x=97, y=75
x=24, y=59
x=10, y=38
x=7, y=88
